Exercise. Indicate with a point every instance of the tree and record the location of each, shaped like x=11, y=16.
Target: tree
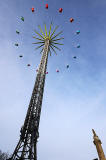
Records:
x=4, y=155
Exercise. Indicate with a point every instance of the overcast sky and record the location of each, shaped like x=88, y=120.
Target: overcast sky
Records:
x=74, y=99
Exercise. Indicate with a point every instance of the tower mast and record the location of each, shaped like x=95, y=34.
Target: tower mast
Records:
x=98, y=145
x=26, y=148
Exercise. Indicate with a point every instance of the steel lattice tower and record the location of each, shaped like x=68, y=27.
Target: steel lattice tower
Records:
x=26, y=148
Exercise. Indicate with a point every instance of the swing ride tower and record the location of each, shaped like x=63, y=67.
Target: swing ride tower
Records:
x=26, y=148
x=98, y=145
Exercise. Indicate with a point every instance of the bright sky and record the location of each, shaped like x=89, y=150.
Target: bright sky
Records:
x=74, y=99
